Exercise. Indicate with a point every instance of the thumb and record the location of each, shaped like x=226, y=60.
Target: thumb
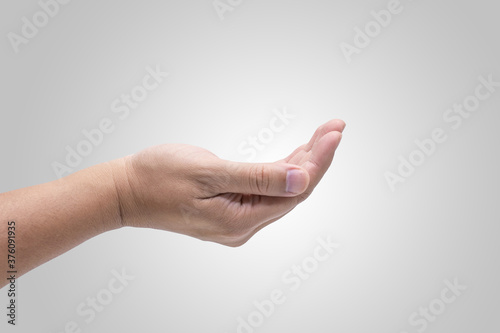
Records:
x=269, y=179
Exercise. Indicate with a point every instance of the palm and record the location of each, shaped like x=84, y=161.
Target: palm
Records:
x=315, y=156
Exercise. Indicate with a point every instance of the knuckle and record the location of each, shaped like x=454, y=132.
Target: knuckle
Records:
x=259, y=178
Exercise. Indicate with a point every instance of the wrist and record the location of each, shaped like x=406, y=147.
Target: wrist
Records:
x=125, y=203
x=98, y=182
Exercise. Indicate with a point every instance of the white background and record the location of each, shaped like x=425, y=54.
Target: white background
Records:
x=225, y=79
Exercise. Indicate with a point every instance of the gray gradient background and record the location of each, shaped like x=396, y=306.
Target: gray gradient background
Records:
x=225, y=79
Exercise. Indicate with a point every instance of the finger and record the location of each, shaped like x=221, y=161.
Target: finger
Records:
x=297, y=154
x=320, y=158
x=335, y=125
x=265, y=179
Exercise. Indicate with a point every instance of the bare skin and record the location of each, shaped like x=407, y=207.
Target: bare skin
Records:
x=178, y=188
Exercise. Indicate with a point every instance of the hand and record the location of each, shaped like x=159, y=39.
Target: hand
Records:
x=189, y=190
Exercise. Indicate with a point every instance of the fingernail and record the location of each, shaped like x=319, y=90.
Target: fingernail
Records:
x=296, y=181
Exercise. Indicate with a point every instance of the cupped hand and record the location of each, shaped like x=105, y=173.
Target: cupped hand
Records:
x=189, y=190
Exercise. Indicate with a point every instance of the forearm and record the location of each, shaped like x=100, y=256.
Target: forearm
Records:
x=52, y=218
x=178, y=188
